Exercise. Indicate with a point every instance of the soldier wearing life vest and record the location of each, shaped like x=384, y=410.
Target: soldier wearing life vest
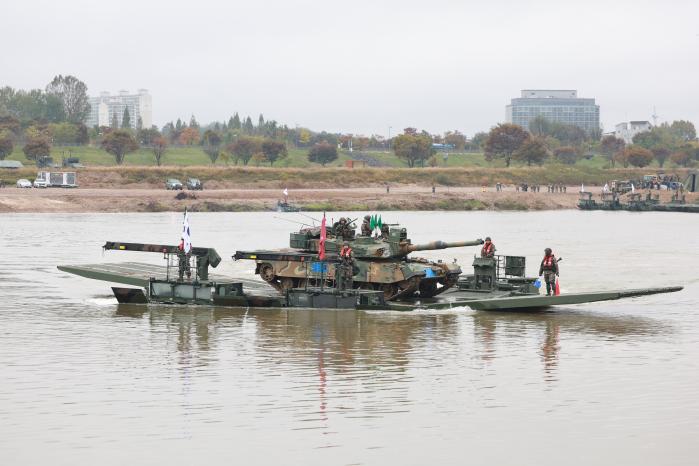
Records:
x=549, y=269
x=346, y=266
x=488, y=249
x=346, y=252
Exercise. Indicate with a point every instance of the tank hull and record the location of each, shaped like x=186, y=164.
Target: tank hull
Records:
x=286, y=269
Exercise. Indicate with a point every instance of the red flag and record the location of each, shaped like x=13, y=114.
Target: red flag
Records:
x=321, y=246
x=558, y=289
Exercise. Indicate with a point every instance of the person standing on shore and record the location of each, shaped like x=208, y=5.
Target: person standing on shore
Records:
x=549, y=269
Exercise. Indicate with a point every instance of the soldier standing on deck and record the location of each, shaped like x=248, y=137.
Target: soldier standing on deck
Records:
x=346, y=266
x=366, y=226
x=183, y=262
x=549, y=269
x=488, y=249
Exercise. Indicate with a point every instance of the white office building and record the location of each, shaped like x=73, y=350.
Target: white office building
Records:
x=627, y=131
x=559, y=105
x=106, y=106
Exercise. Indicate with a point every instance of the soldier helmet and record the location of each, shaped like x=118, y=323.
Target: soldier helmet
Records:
x=367, y=217
x=548, y=251
x=343, y=220
x=487, y=238
x=346, y=243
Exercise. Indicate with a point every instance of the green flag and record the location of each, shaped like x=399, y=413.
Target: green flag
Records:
x=380, y=222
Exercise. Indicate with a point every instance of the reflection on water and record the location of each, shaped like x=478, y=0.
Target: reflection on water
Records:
x=88, y=381
x=350, y=338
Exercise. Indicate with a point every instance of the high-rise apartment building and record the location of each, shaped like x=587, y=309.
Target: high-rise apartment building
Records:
x=106, y=106
x=562, y=106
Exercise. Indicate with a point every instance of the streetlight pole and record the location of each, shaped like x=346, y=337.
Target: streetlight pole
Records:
x=389, y=138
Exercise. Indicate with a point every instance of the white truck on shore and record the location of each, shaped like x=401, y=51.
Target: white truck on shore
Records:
x=56, y=180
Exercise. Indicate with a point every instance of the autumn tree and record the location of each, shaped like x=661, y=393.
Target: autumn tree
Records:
x=146, y=136
x=64, y=133
x=273, y=151
x=456, y=139
x=532, y=151
x=638, y=156
x=119, y=143
x=412, y=148
x=478, y=139
x=503, y=141
x=36, y=147
x=189, y=136
x=73, y=93
x=243, y=149
x=10, y=124
x=6, y=144
x=158, y=147
x=661, y=154
x=322, y=153
x=211, y=142
x=610, y=146
x=566, y=154
x=684, y=130
x=258, y=158
x=681, y=158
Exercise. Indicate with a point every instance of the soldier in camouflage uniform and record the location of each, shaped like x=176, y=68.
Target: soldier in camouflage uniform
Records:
x=346, y=266
x=366, y=226
x=384, y=231
x=340, y=227
x=183, y=263
x=549, y=269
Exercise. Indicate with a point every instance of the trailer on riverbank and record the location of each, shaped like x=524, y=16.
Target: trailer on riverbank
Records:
x=56, y=180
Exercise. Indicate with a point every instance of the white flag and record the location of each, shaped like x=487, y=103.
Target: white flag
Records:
x=606, y=187
x=286, y=192
x=633, y=190
x=582, y=188
x=186, y=238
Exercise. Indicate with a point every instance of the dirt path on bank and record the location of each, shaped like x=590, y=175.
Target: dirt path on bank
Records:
x=399, y=198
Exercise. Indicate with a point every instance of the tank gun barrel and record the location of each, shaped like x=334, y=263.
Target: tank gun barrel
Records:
x=408, y=248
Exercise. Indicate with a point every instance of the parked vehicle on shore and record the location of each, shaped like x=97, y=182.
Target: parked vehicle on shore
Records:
x=173, y=184
x=24, y=183
x=194, y=184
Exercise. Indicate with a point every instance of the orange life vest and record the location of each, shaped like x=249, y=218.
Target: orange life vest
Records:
x=346, y=252
x=549, y=261
x=487, y=248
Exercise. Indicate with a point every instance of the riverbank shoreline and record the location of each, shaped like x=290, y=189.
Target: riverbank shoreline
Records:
x=412, y=197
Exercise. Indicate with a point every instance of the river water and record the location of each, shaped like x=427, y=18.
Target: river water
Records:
x=85, y=381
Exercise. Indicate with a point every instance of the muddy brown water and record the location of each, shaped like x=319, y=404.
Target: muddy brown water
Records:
x=85, y=381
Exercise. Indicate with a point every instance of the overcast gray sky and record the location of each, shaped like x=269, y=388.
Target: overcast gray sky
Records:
x=362, y=66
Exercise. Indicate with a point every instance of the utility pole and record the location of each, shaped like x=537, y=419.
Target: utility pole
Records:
x=389, y=138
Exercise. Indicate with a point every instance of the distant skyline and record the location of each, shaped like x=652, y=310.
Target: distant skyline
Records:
x=362, y=67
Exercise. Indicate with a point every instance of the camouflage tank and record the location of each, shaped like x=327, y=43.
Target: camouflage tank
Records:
x=380, y=263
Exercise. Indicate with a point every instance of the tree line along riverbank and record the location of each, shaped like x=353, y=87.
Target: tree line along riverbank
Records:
x=336, y=177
